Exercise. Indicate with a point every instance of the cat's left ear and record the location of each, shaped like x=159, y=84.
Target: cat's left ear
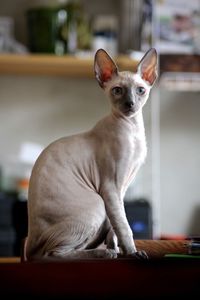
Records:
x=147, y=67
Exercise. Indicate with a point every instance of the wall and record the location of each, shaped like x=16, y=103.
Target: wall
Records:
x=180, y=162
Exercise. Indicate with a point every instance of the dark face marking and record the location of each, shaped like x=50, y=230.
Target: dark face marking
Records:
x=125, y=99
x=117, y=91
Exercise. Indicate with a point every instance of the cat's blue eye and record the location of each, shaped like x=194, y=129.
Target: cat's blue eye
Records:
x=140, y=90
x=117, y=91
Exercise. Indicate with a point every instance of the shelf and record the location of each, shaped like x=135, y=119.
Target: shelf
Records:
x=180, y=81
x=36, y=64
x=78, y=67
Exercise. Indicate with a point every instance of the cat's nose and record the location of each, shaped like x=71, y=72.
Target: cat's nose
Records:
x=129, y=104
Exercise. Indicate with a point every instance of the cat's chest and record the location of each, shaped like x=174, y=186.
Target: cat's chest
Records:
x=137, y=155
x=136, y=141
x=133, y=154
x=139, y=148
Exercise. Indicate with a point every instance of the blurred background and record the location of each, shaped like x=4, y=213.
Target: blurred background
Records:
x=56, y=95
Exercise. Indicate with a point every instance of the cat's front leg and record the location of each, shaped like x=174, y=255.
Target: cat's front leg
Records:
x=112, y=241
x=117, y=217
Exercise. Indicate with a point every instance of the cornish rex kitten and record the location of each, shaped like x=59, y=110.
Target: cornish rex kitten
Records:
x=78, y=183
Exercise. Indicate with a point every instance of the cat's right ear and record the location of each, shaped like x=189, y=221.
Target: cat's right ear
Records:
x=104, y=67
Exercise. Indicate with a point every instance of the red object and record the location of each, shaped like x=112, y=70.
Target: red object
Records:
x=173, y=237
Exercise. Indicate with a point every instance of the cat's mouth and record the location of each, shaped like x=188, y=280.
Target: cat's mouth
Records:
x=129, y=111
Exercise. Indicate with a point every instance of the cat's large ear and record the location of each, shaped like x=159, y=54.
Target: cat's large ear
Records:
x=147, y=67
x=104, y=67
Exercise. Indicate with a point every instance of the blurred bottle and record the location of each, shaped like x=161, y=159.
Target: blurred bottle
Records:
x=77, y=31
x=105, y=30
x=58, y=29
x=44, y=25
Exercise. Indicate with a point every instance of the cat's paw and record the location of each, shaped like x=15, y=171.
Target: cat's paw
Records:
x=142, y=255
x=110, y=253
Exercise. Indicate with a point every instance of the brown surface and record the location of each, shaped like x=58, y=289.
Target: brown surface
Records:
x=8, y=260
x=158, y=248
x=179, y=63
x=153, y=248
x=66, y=65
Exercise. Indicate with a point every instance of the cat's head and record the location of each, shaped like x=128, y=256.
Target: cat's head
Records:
x=127, y=91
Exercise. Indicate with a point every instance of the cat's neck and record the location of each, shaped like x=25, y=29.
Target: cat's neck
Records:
x=135, y=121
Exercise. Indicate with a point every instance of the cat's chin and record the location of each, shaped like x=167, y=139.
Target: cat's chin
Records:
x=129, y=113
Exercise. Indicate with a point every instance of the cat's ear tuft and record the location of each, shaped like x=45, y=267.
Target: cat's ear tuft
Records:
x=104, y=67
x=147, y=68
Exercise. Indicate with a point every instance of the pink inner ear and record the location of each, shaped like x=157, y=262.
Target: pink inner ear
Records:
x=145, y=76
x=106, y=75
x=149, y=76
